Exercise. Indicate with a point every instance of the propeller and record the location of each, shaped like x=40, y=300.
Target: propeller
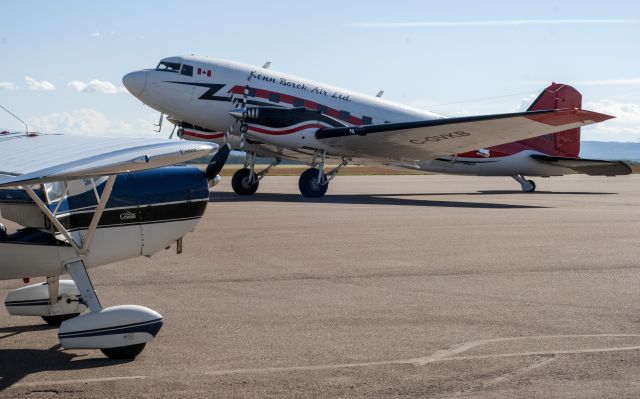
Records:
x=175, y=125
x=220, y=158
x=217, y=162
x=239, y=113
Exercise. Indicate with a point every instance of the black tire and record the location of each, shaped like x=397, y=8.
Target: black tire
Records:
x=533, y=186
x=309, y=186
x=123, y=352
x=58, y=319
x=240, y=183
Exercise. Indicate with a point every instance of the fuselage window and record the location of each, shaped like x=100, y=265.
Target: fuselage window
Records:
x=186, y=70
x=298, y=102
x=274, y=97
x=366, y=120
x=168, y=67
x=322, y=108
x=344, y=115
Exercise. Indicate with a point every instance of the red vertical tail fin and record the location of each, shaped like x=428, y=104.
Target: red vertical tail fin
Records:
x=566, y=143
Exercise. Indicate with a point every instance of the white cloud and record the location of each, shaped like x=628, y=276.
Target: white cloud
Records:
x=8, y=86
x=603, y=82
x=625, y=126
x=96, y=34
x=487, y=24
x=96, y=86
x=525, y=103
x=42, y=85
x=90, y=122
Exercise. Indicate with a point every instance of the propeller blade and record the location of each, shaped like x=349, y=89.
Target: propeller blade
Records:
x=172, y=131
x=217, y=162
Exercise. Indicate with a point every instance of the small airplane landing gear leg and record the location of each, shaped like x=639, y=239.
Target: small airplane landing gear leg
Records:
x=528, y=186
x=120, y=332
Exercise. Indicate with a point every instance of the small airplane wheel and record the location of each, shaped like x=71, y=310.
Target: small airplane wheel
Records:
x=241, y=183
x=309, y=185
x=58, y=319
x=123, y=352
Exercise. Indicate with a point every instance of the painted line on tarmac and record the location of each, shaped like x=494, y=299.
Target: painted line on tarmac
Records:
x=448, y=355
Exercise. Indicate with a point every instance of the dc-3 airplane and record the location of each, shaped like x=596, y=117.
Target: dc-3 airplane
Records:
x=85, y=202
x=271, y=114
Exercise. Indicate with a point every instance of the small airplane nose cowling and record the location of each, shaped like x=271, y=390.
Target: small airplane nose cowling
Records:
x=135, y=82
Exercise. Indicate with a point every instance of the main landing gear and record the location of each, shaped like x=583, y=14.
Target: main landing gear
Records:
x=246, y=181
x=528, y=186
x=314, y=182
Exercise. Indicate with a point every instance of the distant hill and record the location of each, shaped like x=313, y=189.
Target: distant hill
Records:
x=610, y=150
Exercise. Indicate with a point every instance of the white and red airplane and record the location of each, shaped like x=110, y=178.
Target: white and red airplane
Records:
x=272, y=114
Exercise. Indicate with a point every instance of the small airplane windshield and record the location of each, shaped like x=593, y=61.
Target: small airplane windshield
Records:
x=55, y=191
x=168, y=67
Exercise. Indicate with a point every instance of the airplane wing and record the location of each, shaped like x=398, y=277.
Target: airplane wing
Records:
x=430, y=139
x=40, y=158
x=592, y=167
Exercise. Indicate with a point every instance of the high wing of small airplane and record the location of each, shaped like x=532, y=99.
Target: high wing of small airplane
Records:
x=42, y=158
x=84, y=202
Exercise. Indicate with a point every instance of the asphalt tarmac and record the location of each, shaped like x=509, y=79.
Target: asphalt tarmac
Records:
x=390, y=286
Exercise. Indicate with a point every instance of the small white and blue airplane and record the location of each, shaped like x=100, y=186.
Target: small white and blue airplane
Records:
x=84, y=202
x=280, y=116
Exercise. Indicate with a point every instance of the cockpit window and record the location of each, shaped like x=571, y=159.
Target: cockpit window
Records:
x=186, y=70
x=168, y=67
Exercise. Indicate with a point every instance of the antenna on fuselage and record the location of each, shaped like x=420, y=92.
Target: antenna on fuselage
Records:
x=14, y=115
x=266, y=65
x=380, y=93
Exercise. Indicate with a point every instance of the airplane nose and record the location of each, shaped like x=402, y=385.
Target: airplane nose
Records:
x=135, y=82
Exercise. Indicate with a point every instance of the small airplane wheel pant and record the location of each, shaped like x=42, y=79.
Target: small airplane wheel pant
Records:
x=124, y=352
x=309, y=185
x=240, y=183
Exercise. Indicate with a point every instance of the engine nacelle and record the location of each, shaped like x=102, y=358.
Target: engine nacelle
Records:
x=113, y=327
x=33, y=300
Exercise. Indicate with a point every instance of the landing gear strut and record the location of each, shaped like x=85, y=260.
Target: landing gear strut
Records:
x=528, y=186
x=314, y=182
x=246, y=181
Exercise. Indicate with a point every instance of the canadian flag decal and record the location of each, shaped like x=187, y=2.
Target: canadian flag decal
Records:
x=202, y=71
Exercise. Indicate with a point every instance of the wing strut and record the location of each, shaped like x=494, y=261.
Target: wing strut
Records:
x=102, y=203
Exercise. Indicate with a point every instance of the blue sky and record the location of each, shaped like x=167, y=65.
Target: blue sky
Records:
x=62, y=62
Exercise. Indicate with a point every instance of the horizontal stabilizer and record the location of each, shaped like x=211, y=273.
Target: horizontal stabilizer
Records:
x=592, y=167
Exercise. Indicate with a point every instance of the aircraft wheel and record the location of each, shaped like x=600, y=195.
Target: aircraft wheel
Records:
x=58, y=319
x=531, y=188
x=241, y=183
x=309, y=186
x=124, y=352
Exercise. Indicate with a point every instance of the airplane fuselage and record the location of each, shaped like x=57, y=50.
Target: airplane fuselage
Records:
x=146, y=211
x=205, y=99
